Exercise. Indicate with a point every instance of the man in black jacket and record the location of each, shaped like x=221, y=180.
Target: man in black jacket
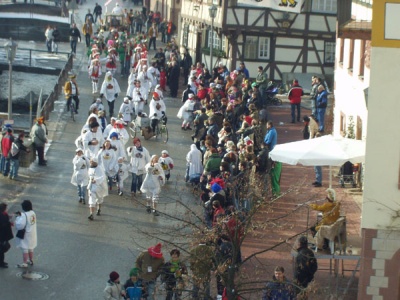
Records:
x=305, y=265
x=5, y=233
x=74, y=35
x=97, y=12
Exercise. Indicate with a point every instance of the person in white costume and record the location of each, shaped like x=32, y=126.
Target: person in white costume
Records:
x=157, y=110
x=117, y=10
x=167, y=164
x=26, y=220
x=122, y=175
x=186, y=112
x=139, y=158
x=119, y=128
x=126, y=110
x=138, y=98
x=152, y=184
x=107, y=158
x=110, y=90
x=118, y=146
x=92, y=140
x=194, y=164
x=109, y=127
x=146, y=79
x=97, y=187
x=80, y=176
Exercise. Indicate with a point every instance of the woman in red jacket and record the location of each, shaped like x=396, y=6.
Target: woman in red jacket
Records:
x=295, y=94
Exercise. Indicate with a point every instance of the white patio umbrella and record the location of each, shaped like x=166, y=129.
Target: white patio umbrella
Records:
x=323, y=151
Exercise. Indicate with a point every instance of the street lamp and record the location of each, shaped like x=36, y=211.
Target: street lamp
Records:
x=212, y=10
x=10, y=48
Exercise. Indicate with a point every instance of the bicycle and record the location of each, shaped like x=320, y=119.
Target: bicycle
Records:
x=143, y=122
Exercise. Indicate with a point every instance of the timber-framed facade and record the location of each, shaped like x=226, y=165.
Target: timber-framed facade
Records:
x=285, y=43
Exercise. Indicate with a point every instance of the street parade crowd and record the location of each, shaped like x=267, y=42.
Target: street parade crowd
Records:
x=228, y=161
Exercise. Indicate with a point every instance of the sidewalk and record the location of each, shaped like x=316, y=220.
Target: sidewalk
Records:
x=293, y=218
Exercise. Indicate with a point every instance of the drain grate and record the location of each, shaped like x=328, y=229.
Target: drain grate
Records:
x=31, y=275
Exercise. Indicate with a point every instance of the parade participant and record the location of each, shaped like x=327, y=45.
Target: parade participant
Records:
x=94, y=74
x=117, y=10
x=111, y=63
x=109, y=127
x=149, y=263
x=38, y=136
x=138, y=97
x=157, y=110
x=126, y=110
x=97, y=188
x=71, y=91
x=145, y=78
x=92, y=140
x=167, y=164
x=107, y=159
x=186, y=112
x=122, y=174
x=119, y=128
x=80, y=177
x=118, y=146
x=113, y=288
x=155, y=74
x=5, y=233
x=110, y=90
x=131, y=83
x=159, y=91
x=152, y=184
x=193, y=162
x=26, y=220
x=171, y=275
x=139, y=159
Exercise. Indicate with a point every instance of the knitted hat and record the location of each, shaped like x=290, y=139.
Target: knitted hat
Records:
x=155, y=251
x=156, y=95
x=134, y=272
x=216, y=188
x=94, y=124
x=164, y=152
x=114, y=276
x=78, y=149
x=114, y=134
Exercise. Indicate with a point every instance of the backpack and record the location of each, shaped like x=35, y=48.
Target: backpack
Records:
x=14, y=149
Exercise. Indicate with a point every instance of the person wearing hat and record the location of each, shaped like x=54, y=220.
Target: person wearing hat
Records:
x=186, y=112
x=152, y=183
x=146, y=79
x=119, y=128
x=166, y=162
x=94, y=74
x=97, y=187
x=111, y=62
x=92, y=140
x=157, y=110
x=38, y=136
x=330, y=212
x=126, y=110
x=109, y=127
x=80, y=176
x=113, y=289
x=305, y=264
x=149, y=263
x=110, y=90
x=71, y=91
x=134, y=288
x=138, y=97
x=139, y=158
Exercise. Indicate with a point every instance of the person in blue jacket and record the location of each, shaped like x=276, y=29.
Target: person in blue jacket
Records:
x=271, y=137
x=322, y=103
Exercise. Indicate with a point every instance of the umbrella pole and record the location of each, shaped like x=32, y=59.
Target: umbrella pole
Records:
x=330, y=176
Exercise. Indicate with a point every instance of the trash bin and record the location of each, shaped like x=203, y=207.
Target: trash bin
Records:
x=26, y=158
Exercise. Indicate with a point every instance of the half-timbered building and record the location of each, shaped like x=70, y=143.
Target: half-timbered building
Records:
x=288, y=41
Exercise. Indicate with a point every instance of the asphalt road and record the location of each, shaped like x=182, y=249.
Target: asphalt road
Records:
x=75, y=253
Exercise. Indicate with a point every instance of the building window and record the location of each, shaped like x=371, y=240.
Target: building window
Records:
x=185, y=35
x=214, y=39
x=326, y=6
x=329, y=53
x=257, y=47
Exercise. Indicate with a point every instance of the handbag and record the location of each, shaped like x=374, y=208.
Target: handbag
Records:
x=5, y=246
x=21, y=233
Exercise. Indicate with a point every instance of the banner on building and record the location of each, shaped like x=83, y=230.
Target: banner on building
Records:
x=284, y=5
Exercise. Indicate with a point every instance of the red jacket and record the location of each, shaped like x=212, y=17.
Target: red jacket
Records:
x=6, y=143
x=202, y=94
x=295, y=94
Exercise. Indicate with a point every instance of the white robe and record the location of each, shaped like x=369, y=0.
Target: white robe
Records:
x=138, y=161
x=97, y=190
x=80, y=175
x=126, y=109
x=154, y=112
x=92, y=150
x=186, y=111
x=154, y=179
x=194, y=160
x=138, y=99
x=123, y=134
x=108, y=160
x=109, y=88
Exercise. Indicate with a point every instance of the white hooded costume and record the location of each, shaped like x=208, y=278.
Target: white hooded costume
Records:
x=110, y=87
x=154, y=180
x=97, y=186
x=193, y=159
